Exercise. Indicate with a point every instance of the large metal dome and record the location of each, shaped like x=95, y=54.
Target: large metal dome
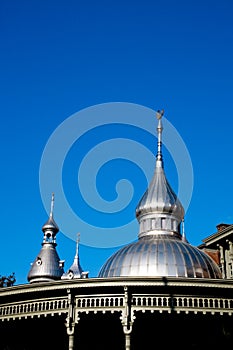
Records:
x=161, y=250
x=160, y=255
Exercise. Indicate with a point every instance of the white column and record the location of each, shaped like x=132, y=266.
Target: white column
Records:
x=70, y=320
x=71, y=340
x=127, y=319
x=127, y=340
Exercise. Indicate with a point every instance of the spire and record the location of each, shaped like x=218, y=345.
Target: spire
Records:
x=47, y=266
x=75, y=271
x=77, y=244
x=159, y=157
x=52, y=206
x=50, y=228
x=159, y=210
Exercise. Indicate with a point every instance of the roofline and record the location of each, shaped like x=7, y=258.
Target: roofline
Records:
x=215, y=236
x=115, y=282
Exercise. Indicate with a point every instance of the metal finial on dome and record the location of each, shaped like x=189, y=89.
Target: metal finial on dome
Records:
x=159, y=114
x=159, y=157
x=77, y=243
x=50, y=228
x=52, y=205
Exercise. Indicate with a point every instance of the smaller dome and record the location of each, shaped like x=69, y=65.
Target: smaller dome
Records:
x=50, y=225
x=47, y=266
x=160, y=198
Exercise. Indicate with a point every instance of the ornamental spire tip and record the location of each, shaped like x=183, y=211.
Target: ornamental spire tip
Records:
x=52, y=205
x=159, y=114
x=159, y=157
x=77, y=243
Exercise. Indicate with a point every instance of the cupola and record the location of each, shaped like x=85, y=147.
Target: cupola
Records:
x=162, y=249
x=47, y=266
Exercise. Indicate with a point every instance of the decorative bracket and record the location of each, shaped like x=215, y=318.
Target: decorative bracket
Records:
x=70, y=319
x=127, y=316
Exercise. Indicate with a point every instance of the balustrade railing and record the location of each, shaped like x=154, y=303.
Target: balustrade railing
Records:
x=95, y=303
x=100, y=302
x=182, y=303
x=32, y=307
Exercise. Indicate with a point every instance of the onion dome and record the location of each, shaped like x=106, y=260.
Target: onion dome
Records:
x=47, y=266
x=50, y=227
x=159, y=209
x=75, y=270
x=161, y=250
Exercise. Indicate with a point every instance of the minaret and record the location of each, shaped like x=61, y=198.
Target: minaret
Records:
x=47, y=266
x=159, y=210
x=75, y=271
x=161, y=249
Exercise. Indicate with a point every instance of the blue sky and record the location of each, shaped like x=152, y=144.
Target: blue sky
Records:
x=61, y=57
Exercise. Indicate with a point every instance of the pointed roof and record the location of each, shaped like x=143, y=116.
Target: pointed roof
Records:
x=159, y=199
x=50, y=223
x=75, y=270
x=47, y=266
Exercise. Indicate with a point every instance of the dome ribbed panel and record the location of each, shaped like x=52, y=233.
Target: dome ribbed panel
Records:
x=160, y=256
x=204, y=266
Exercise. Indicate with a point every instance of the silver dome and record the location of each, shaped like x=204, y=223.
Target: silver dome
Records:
x=159, y=210
x=47, y=266
x=160, y=197
x=50, y=225
x=161, y=250
x=159, y=256
x=50, y=228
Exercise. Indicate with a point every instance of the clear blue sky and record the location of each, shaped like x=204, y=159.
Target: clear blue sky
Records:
x=60, y=57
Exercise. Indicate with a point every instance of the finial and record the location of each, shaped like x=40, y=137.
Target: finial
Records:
x=159, y=114
x=50, y=228
x=77, y=242
x=52, y=205
x=159, y=158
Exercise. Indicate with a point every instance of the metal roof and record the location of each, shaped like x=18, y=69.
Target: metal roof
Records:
x=160, y=255
x=47, y=266
x=161, y=249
